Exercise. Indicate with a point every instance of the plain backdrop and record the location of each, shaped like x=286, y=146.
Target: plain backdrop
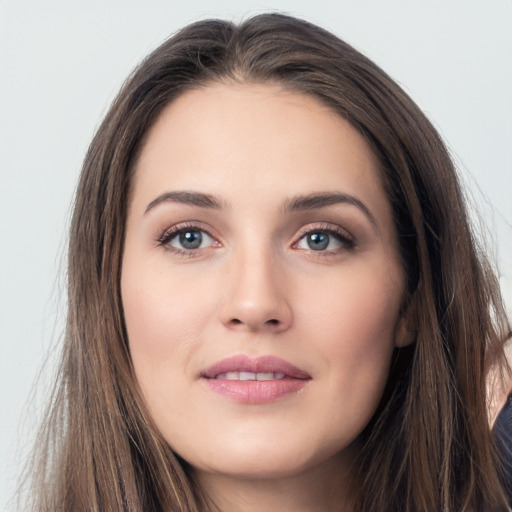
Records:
x=61, y=64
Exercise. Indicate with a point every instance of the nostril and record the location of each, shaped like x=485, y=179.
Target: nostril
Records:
x=273, y=322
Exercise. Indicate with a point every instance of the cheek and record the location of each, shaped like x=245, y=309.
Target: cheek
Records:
x=344, y=324
x=358, y=308
x=354, y=324
x=165, y=320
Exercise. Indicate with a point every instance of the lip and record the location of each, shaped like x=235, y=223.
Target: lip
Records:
x=255, y=391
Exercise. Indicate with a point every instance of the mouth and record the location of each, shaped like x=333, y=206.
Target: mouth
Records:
x=247, y=380
x=251, y=376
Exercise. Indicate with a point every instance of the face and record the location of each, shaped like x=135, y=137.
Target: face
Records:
x=261, y=281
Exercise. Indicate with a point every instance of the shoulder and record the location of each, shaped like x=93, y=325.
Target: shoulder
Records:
x=502, y=432
x=503, y=424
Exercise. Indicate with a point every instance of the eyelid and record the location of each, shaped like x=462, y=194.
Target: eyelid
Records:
x=168, y=234
x=345, y=236
x=347, y=240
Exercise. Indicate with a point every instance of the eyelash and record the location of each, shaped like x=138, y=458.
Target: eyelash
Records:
x=346, y=240
x=169, y=234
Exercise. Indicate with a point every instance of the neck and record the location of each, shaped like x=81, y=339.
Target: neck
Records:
x=323, y=488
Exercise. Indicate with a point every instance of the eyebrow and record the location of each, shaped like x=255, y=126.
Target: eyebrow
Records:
x=298, y=203
x=324, y=199
x=184, y=197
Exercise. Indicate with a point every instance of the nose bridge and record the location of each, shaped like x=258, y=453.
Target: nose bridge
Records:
x=256, y=293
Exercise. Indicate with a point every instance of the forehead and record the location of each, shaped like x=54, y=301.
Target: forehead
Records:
x=260, y=139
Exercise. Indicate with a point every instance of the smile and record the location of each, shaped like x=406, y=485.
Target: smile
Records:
x=254, y=381
x=251, y=376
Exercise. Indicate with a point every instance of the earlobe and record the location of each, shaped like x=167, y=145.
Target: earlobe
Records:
x=407, y=328
x=404, y=335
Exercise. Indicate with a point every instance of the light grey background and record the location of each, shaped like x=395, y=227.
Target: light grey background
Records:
x=61, y=63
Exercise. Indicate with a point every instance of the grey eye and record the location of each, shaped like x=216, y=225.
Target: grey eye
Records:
x=317, y=241
x=324, y=240
x=321, y=241
x=191, y=239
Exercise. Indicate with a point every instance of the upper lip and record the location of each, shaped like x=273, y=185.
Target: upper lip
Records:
x=263, y=364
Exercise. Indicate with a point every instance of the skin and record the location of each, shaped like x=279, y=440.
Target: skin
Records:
x=499, y=387
x=256, y=287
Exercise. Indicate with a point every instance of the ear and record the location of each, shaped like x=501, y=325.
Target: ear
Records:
x=407, y=327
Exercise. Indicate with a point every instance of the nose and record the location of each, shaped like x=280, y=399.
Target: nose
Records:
x=257, y=298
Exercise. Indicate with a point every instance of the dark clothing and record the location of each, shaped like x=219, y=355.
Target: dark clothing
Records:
x=503, y=434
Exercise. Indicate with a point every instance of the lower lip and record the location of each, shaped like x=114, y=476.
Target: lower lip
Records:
x=256, y=391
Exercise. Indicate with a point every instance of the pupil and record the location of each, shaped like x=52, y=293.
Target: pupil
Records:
x=191, y=239
x=318, y=241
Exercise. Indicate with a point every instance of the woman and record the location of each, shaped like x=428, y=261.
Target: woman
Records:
x=275, y=298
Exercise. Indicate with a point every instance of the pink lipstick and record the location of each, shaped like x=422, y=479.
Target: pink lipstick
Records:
x=254, y=381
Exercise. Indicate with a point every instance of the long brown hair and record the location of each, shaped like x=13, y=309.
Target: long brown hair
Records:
x=429, y=446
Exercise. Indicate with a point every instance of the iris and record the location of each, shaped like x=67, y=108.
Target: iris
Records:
x=191, y=239
x=318, y=241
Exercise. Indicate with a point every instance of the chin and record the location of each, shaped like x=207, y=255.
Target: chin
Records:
x=267, y=459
